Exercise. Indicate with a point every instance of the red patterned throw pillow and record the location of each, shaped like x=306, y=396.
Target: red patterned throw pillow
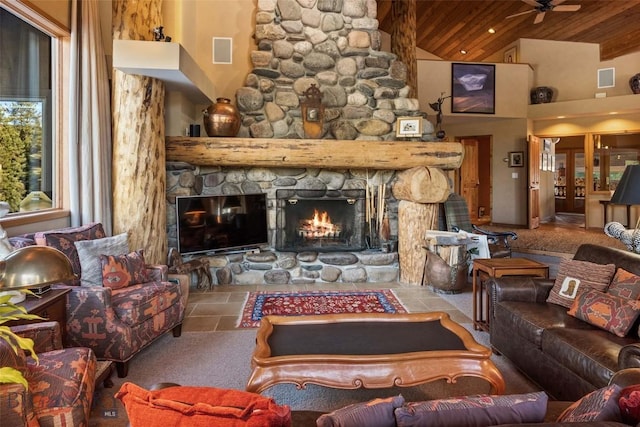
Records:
x=120, y=271
x=599, y=405
x=625, y=284
x=575, y=277
x=609, y=312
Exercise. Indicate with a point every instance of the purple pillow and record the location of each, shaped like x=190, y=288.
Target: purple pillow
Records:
x=375, y=413
x=474, y=411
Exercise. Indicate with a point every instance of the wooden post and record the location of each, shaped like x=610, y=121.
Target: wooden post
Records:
x=139, y=181
x=403, y=39
x=414, y=219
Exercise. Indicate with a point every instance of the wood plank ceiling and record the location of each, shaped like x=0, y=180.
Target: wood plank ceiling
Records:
x=444, y=27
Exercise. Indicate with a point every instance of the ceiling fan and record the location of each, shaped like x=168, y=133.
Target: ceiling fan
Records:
x=544, y=6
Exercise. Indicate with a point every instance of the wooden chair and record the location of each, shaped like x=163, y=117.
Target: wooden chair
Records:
x=199, y=266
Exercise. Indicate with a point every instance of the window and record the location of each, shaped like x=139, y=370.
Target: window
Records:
x=27, y=108
x=611, y=154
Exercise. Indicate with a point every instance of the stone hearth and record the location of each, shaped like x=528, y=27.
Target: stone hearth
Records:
x=269, y=266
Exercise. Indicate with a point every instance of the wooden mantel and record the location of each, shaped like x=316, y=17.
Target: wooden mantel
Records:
x=327, y=153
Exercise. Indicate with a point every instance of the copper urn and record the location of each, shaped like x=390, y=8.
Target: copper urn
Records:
x=221, y=118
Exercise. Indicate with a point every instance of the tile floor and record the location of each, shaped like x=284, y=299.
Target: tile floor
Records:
x=219, y=309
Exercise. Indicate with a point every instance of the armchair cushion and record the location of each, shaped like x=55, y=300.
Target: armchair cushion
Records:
x=64, y=240
x=137, y=303
x=120, y=271
x=89, y=252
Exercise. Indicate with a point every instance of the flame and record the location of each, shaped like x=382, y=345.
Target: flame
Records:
x=319, y=226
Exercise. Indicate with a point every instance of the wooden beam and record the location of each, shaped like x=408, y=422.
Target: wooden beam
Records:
x=319, y=153
x=139, y=172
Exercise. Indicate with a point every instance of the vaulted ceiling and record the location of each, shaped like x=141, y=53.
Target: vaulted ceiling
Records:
x=444, y=27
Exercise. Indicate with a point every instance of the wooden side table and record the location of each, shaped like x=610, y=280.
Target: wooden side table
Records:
x=52, y=305
x=498, y=267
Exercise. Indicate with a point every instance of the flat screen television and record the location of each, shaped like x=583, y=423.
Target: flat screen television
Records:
x=221, y=223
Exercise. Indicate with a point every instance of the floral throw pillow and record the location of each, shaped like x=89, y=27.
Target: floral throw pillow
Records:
x=609, y=312
x=120, y=271
x=576, y=276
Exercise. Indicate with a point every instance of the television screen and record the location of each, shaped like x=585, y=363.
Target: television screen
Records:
x=221, y=223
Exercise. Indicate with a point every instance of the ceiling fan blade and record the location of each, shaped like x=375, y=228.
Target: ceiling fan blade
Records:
x=539, y=17
x=521, y=13
x=557, y=2
x=567, y=8
x=533, y=3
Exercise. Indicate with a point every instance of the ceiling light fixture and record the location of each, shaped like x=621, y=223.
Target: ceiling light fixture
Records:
x=562, y=117
x=492, y=30
x=462, y=51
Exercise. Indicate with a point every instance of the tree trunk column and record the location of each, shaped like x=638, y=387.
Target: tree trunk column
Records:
x=403, y=39
x=139, y=177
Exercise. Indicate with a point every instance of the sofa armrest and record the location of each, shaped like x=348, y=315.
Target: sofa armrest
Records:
x=629, y=356
x=626, y=377
x=46, y=336
x=521, y=288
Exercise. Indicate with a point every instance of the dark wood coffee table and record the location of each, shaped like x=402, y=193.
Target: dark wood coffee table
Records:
x=349, y=351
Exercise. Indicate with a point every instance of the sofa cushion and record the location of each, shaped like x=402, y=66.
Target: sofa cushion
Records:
x=120, y=271
x=576, y=276
x=64, y=239
x=529, y=320
x=474, y=411
x=625, y=284
x=89, y=252
x=592, y=354
x=200, y=406
x=609, y=312
x=137, y=303
x=375, y=413
x=600, y=405
x=62, y=386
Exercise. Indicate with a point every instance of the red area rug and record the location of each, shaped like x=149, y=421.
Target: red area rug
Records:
x=303, y=303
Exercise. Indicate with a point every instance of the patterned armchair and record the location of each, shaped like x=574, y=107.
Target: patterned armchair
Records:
x=61, y=385
x=116, y=323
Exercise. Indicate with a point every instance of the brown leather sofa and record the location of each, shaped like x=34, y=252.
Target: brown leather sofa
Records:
x=567, y=357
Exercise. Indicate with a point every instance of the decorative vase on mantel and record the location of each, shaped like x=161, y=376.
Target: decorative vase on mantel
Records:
x=541, y=95
x=634, y=83
x=221, y=118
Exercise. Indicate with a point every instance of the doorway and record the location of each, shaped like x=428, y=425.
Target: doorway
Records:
x=474, y=177
x=570, y=178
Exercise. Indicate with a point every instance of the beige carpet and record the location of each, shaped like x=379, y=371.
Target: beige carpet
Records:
x=558, y=240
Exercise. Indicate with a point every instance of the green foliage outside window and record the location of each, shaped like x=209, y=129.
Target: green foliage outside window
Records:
x=20, y=150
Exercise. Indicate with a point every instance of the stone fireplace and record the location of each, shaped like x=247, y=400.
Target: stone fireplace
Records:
x=333, y=258
x=320, y=220
x=333, y=45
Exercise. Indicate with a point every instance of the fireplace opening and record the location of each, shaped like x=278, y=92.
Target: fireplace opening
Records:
x=323, y=220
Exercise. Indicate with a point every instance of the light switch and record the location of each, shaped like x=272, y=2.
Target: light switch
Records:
x=514, y=175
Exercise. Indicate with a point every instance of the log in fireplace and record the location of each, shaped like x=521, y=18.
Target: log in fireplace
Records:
x=320, y=220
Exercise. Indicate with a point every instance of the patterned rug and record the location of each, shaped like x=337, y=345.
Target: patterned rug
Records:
x=301, y=303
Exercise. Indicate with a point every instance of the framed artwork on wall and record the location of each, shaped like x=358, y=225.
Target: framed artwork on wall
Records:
x=473, y=88
x=516, y=159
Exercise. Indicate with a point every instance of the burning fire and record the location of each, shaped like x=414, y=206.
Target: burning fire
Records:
x=319, y=226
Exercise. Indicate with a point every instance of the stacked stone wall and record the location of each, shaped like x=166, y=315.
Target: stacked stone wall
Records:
x=335, y=45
